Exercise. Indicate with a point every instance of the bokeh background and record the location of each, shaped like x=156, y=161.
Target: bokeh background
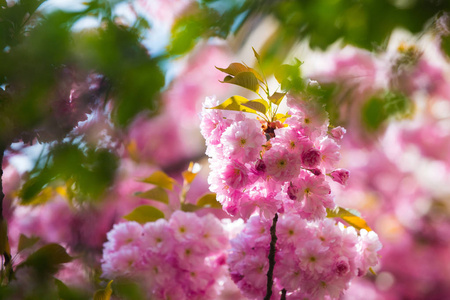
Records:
x=95, y=95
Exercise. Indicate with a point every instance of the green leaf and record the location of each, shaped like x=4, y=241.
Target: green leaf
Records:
x=209, y=200
x=48, y=258
x=258, y=105
x=144, y=214
x=157, y=193
x=289, y=77
x=351, y=218
x=161, y=179
x=276, y=98
x=188, y=207
x=246, y=80
x=26, y=242
x=235, y=103
x=104, y=294
x=445, y=44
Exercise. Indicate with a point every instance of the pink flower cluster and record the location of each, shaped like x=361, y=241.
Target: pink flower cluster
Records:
x=177, y=259
x=290, y=172
x=314, y=259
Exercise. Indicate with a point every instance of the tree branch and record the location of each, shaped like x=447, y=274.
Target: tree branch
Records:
x=283, y=294
x=271, y=257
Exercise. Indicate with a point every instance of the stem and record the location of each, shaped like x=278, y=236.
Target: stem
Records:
x=2, y=196
x=271, y=257
x=283, y=294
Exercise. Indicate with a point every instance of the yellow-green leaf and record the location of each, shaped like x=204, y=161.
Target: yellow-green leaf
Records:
x=246, y=80
x=276, y=98
x=235, y=103
x=157, y=193
x=26, y=242
x=209, y=200
x=161, y=179
x=258, y=105
x=104, y=294
x=44, y=195
x=352, y=219
x=258, y=58
x=144, y=214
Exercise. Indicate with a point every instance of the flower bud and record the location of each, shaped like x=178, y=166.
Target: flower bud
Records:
x=311, y=158
x=340, y=176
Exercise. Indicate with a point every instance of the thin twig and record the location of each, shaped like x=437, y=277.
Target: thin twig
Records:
x=271, y=257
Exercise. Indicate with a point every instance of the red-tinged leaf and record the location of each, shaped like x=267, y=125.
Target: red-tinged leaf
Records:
x=144, y=214
x=276, y=98
x=352, y=219
x=246, y=80
x=209, y=200
x=157, y=194
x=234, y=69
x=258, y=105
x=161, y=179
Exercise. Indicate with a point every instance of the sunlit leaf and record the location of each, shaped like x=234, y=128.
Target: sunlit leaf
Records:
x=276, y=98
x=161, y=179
x=48, y=258
x=192, y=171
x=352, y=219
x=209, y=200
x=282, y=117
x=246, y=80
x=104, y=294
x=157, y=193
x=26, y=242
x=258, y=105
x=235, y=103
x=144, y=214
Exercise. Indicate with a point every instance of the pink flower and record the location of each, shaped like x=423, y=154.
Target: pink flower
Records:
x=281, y=165
x=330, y=155
x=243, y=140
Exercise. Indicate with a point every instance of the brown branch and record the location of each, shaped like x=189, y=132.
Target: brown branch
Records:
x=271, y=257
x=283, y=294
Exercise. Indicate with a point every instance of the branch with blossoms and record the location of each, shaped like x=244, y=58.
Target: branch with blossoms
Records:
x=278, y=166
